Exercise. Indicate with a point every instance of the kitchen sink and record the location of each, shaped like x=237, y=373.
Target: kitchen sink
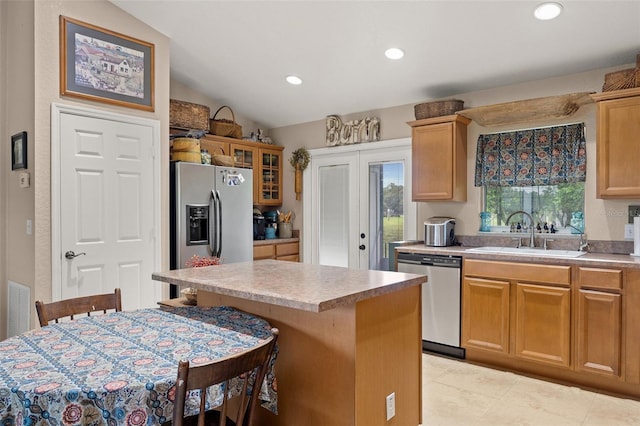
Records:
x=527, y=251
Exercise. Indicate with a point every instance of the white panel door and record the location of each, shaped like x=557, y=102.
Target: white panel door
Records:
x=107, y=216
x=334, y=200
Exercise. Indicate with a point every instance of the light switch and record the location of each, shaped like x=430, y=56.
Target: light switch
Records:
x=24, y=180
x=29, y=227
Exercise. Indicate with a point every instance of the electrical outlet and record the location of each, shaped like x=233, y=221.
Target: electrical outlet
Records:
x=633, y=212
x=391, y=405
x=628, y=231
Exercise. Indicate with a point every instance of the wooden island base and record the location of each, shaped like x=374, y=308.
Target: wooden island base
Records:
x=337, y=367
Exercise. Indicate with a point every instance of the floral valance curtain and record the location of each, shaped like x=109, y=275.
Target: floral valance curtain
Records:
x=544, y=156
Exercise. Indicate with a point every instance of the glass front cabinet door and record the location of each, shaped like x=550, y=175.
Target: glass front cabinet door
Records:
x=270, y=176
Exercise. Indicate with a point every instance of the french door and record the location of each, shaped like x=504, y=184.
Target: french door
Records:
x=359, y=201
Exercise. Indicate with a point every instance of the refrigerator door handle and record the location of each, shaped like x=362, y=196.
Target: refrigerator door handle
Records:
x=218, y=218
x=212, y=231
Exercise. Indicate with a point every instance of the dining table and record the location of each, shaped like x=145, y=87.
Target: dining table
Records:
x=120, y=368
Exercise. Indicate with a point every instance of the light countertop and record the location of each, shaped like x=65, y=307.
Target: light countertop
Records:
x=588, y=260
x=314, y=288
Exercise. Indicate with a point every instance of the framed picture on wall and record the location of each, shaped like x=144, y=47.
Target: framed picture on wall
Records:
x=104, y=66
x=19, y=151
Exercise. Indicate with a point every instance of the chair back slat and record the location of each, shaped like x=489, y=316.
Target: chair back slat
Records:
x=69, y=308
x=200, y=377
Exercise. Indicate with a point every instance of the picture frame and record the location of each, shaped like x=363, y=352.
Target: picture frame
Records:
x=19, y=151
x=100, y=65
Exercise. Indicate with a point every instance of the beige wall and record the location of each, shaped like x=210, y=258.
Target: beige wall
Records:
x=604, y=219
x=182, y=92
x=37, y=40
x=17, y=250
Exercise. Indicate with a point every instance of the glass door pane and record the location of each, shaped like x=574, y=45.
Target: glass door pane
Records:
x=386, y=210
x=333, y=226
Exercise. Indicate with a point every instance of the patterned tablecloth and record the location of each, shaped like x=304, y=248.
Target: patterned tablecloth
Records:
x=119, y=368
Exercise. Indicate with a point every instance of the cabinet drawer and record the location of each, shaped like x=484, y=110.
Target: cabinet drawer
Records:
x=600, y=278
x=543, y=274
x=264, y=252
x=286, y=249
x=290, y=258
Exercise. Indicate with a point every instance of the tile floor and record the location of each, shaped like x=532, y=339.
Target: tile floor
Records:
x=457, y=393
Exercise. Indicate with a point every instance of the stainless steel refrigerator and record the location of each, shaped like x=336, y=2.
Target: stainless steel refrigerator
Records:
x=211, y=213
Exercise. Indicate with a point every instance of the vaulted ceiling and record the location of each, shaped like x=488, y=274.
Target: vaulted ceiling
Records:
x=239, y=52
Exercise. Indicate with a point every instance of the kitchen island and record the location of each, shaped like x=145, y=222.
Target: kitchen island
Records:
x=348, y=337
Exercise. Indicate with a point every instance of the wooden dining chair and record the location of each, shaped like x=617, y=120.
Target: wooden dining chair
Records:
x=69, y=308
x=221, y=372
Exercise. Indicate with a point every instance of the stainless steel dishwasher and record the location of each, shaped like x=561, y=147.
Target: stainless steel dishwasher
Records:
x=441, y=300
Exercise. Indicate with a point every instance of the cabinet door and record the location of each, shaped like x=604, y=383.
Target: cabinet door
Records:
x=599, y=331
x=618, y=148
x=439, y=159
x=270, y=177
x=485, y=316
x=432, y=162
x=243, y=156
x=543, y=324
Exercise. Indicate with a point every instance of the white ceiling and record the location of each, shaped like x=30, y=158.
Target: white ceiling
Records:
x=239, y=52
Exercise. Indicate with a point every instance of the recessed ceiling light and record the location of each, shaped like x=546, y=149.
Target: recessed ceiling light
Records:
x=546, y=11
x=294, y=79
x=394, y=53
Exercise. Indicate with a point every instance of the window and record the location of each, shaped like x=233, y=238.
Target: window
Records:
x=539, y=171
x=559, y=205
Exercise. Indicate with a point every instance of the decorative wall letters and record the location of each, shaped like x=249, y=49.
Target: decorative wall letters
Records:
x=353, y=131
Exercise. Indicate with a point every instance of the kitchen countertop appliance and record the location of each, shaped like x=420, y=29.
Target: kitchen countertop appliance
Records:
x=258, y=227
x=439, y=231
x=441, y=300
x=210, y=214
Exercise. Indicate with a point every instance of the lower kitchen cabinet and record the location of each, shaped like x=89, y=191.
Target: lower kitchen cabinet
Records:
x=570, y=323
x=543, y=324
x=485, y=317
x=599, y=332
x=287, y=249
x=599, y=321
x=520, y=310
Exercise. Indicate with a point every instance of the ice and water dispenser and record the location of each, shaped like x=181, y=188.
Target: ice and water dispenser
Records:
x=197, y=224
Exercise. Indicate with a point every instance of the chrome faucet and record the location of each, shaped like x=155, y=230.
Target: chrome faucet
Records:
x=584, y=244
x=532, y=243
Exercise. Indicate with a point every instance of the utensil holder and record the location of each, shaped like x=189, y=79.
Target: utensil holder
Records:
x=285, y=230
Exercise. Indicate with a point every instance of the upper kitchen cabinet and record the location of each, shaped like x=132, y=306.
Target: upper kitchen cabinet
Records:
x=269, y=192
x=439, y=158
x=265, y=160
x=618, y=143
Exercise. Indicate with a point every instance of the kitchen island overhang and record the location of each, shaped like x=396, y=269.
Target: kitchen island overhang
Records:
x=348, y=337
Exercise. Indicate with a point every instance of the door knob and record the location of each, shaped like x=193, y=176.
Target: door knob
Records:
x=362, y=247
x=71, y=255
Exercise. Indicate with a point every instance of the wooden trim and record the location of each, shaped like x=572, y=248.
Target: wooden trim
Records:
x=439, y=120
x=553, y=107
x=616, y=94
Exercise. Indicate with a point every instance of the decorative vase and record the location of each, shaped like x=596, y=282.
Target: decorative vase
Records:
x=485, y=221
